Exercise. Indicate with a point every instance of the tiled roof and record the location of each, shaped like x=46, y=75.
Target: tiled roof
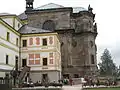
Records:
x=22, y=16
x=26, y=29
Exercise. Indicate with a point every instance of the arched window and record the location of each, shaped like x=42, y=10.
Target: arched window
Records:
x=49, y=25
x=92, y=59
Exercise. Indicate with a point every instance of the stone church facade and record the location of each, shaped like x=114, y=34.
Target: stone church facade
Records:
x=77, y=32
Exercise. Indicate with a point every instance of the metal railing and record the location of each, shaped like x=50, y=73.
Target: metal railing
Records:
x=5, y=83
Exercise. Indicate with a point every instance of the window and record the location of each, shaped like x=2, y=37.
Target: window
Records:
x=24, y=43
x=34, y=59
x=8, y=36
x=31, y=59
x=45, y=42
x=44, y=61
x=18, y=25
x=37, y=58
x=92, y=59
x=51, y=58
x=16, y=62
x=16, y=41
x=24, y=62
x=49, y=25
x=7, y=59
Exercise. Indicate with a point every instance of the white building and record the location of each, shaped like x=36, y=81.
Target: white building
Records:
x=9, y=42
x=29, y=46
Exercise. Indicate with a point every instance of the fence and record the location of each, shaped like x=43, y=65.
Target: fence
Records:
x=5, y=84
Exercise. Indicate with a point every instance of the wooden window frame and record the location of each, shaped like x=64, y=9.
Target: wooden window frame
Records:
x=44, y=43
x=24, y=45
x=36, y=61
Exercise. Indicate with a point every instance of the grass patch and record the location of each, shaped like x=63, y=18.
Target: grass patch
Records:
x=115, y=88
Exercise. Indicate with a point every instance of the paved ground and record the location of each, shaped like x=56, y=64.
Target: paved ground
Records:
x=74, y=87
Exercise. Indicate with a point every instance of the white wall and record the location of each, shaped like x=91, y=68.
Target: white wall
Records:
x=11, y=53
x=34, y=40
x=9, y=20
x=3, y=34
x=2, y=74
x=8, y=47
x=40, y=66
x=13, y=21
x=43, y=51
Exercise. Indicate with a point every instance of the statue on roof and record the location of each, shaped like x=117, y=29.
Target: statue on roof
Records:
x=89, y=8
x=95, y=27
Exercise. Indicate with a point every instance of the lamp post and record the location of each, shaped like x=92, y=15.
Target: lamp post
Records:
x=15, y=73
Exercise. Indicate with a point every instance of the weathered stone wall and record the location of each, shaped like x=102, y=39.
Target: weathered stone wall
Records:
x=83, y=23
x=66, y=48
x=61, y=19
x=76, y=33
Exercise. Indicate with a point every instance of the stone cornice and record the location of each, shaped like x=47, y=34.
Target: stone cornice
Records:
x=81, y=13
x=50, y=10
x=86, y=32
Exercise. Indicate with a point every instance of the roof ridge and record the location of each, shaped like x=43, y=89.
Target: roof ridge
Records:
x=49, y=5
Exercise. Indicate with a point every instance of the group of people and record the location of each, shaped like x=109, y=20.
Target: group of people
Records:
x=98, y=82
x=68, y=81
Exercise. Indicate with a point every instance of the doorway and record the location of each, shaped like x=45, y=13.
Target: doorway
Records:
x=24, y=62
x=45, y=77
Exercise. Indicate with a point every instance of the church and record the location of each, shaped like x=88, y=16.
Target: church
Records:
x=54, y=41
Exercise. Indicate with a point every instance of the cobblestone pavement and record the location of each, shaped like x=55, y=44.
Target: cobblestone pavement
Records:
x=74, y=87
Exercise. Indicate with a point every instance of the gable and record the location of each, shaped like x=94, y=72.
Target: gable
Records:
x=13, y=21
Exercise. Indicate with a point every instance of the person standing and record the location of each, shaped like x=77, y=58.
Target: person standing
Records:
x=71, y=81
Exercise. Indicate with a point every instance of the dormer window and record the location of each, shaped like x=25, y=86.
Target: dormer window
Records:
x=49, y=25
x=18, y=25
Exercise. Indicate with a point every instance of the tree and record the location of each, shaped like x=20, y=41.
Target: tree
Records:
x=107, y=67
x=119, y=71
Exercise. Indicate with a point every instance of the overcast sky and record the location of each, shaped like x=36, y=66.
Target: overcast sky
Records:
x=107, y=18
